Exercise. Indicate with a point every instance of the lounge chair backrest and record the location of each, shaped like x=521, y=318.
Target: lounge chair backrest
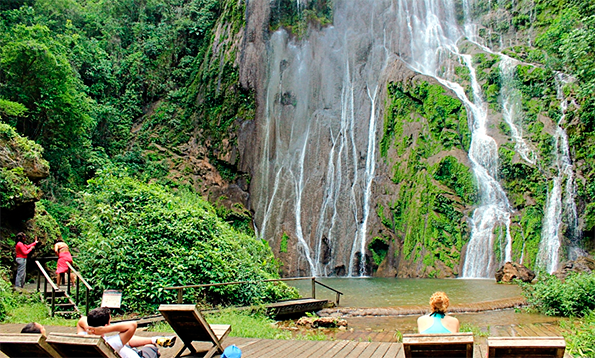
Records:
x=188, y=323
x=526, y=347
x=76, y=345
x=26, y=345
x=438, y=345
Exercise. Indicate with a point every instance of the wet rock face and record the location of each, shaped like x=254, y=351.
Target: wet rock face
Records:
x=512, y=270
x=581, y=264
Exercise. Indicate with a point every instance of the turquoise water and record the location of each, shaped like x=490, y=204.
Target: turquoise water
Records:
x=392, y=292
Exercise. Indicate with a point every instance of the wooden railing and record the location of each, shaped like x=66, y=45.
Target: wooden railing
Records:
x=79, y=279
x=45, y=286
x=42, y=273
x=180, y=289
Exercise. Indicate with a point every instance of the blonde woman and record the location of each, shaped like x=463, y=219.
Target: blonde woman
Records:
x=438, y=321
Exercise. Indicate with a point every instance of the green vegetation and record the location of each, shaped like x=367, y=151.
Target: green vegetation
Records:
x=250, y=324
x=90, y=85
x=572, y=297
x=140, y=237
x=427, y=213
x=290, y=15
x=554, y=297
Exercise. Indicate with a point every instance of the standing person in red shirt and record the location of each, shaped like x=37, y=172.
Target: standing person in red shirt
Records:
x=22, y=251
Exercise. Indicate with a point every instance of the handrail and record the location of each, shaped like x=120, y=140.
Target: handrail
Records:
x=45, y=274
x=45, y=287
x=79, y=276
x=180, y=289
x=236, y=283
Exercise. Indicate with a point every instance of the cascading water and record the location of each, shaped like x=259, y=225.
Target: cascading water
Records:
x=434, y=34
x=512, y=107
x=560, y=206
x=317, y=140
x=316, y=170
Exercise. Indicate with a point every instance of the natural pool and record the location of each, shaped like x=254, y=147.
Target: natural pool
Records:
x=393, y=292
x=396, y=292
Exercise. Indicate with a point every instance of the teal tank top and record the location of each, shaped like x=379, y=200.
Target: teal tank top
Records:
x=437, y=326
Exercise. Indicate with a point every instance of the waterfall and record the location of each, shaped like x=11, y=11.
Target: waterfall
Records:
x=317, y=138
x=512, y=108
x=560, y=205
x=316, y=166
x=434, y=34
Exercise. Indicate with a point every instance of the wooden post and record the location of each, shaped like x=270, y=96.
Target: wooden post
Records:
x=180, y=296
x=45, y=288
x=338, y=298
x=87, y=301
x=53, y=301
x=77, y=291
x=38, y=278
x=313, y=287
x=67, y=280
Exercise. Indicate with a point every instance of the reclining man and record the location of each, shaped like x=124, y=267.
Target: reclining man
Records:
x=124, y=342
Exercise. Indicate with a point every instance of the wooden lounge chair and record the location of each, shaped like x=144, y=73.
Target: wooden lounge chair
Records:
x=526, y=347
x=449, y=345
x=26, y=345
x=191, y=326
x=76, y=345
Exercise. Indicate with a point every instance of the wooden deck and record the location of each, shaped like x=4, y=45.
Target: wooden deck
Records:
x=359, y=344
x=295, y=307
x=346, y=344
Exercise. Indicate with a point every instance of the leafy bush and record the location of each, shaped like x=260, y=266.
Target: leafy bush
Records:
x=579, y=335
x=6, y=296
x=553, y=297
x=140, y=238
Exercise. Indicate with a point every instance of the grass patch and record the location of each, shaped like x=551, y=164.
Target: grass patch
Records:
x=579, y=333
x=249, y=324
x=477, y=332
x=28, y=308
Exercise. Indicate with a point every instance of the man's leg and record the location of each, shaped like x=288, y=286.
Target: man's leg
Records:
x=137, y=341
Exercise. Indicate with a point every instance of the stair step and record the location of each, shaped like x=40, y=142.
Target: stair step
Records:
x=64, y=305
x=67, y=312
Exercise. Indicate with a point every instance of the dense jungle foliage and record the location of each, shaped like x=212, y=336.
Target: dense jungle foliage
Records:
x=134, y=85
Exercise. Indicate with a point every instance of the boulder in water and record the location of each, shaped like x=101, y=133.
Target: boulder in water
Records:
x=512, y=270
x=581, y=264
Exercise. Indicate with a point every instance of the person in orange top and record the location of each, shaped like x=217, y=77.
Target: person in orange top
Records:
x=64, y=256
x=22, y=250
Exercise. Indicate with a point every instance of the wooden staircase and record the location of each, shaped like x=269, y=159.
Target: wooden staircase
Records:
x=61, y=301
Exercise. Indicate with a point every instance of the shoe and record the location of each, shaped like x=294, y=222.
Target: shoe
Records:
x=166, y=341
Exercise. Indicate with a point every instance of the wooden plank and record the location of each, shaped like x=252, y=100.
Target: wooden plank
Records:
x=542, y=347
x=282, y=346
x=326, y=348
x=372, y=347
x=75, y=345
x=479, y=351
x=359, y=349
x=515, y=332
x=393, y=350
x=26, y=345
x=381, y=350
x=345, y=350
x=522, y=332
x=312, y=347
x=263, y=345
x=542, y=332
x=385, y=336
x=337, y=347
